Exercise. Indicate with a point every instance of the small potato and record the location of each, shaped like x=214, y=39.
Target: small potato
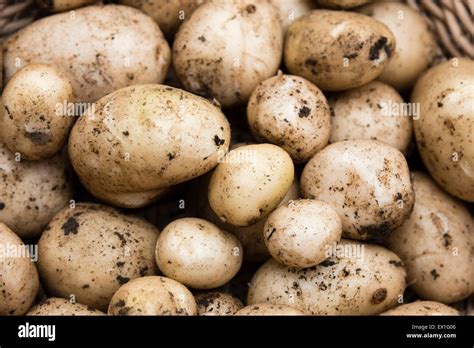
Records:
x=291, y=112
x=269, y=309
x=367, y=183
x=422, y=308
x=250, y=183
x=373, y=111
x=61, y=306
x=435, y=244
x=32, y=192
x=198, y=254
x=337, y=50
x=33, y=122
x=91, y=250
x=152, y=296
x=217, y=303
x=62, y=5
x=227, y=47
x=300, y=233
x=342, y=4
x=19, y=281
x=289, y=10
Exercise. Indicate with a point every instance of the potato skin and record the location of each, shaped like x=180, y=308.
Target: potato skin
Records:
x=198, y=254
x=422, y=308
x=289, y=10
x=91, y=250
x=31, y=123
x=342, y=4
x=61, y=306
x=269, y=309
x=100, y=49
x=367, y=182
x=152, y=295
x=444, y=131
x=62, y=5
x=337, y=50
x=291, y=112
x=217, y=303
x=435, y=244
x=227, y=64
x=367, y=283
x=19, y=280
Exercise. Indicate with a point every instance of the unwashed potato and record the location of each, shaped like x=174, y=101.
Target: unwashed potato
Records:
x=99, y=48
x=217, y=303
x=32, y=192
x=227, y=47
x=153, y=296
x=291, y=112
x=435, y=244
x=289, y=10
x=91, y=250
x=422, y=308
x=359, y=279
x=63, y=5
x=269, y=309
x=367, y=182
x=249, y=183
x=337, y=50
x=342, y=4
x=373, y=111
x=445, y=131
x=198, y=254
x=139, y=140
x=416, y=44
x=19, y=281
x=61, y=306
x=34, y=122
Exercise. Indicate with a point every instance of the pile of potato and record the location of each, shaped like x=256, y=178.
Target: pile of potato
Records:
x=235, y=157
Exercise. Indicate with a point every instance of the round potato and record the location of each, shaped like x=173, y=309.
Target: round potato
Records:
x=289, y=10
x=99, y=48
x=228, y=63
x=422, y=308
x=217, y=303
x=91, y=250
x=367, y=183
x=444, y=131
x=62, y=5
x=141, y=139
x=299, y=233
x=153, y=296
x=342, y=4
x=61, y=306
x=269, y=309
x=358, y=279
x=250, y=183
x=33, y=121
x=435, y=244
x=198, y=254
x=19, y=281
x=337, y=50
x=373, y=111
x=291, y=112
x=32, y=192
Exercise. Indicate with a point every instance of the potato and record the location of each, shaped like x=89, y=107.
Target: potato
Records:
x=62, y=5
x=367, y=183
x=342, y=4
x=337, y=50
x=227, y=47
x=153, y=296
x=32, y=192
x=250, y=183
x=359, y=279
x=61, y=306
x=289, y=10
x=299, y=233
x=434, y=243
x=291, y=112
x=444, y=132
x=90, y=251
x=198, y=254
x=141, y=139
x=217, y=303
x=99, y=48
x=373, y=111
x=422, y=308
x=19, y=281
x=269, y=309
x=33, y=121
x=416, y=44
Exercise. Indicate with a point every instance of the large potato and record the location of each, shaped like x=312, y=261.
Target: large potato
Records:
x=141, y=139
x=227, y=47
x=422, y=308
x=99, y=48
x=61, y=306
x=445, y=131
x=337, y=50
x=359, y=279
